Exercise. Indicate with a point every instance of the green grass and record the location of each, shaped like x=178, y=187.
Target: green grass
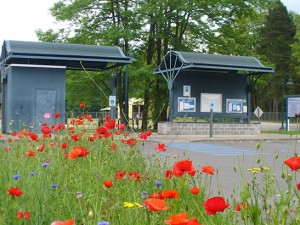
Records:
x=80, y=193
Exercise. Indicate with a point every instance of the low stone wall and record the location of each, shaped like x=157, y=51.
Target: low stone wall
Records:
x=204, y=128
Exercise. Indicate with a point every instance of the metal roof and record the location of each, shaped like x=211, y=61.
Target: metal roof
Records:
x=175, y=60
x=73, y=56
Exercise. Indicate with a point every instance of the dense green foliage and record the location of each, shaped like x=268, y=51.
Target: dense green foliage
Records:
x=149, y=28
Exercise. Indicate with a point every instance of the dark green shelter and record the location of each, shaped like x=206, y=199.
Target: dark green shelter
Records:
x=200, y=82
x=33, y=77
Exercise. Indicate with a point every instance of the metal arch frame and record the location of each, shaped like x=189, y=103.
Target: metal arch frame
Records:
x=169, y=74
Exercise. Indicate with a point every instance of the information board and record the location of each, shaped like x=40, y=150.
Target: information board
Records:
x=211, y=101
x=293, y=106
x=234, y=105
x=186, y=104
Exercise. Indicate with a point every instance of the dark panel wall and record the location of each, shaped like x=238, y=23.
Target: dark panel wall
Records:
x=231, y=86
x=30, y=93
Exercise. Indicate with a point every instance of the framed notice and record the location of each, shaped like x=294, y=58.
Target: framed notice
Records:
x=186, y=104
x=186, y=90
x=293, y=106
x=234, y=105
x=211, y=101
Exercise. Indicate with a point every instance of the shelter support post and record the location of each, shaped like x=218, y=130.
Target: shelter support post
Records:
x=248, y=103
x=211, y=123
x=126, y=97
x=171, y=101
x=3, y=83
x=114, y=93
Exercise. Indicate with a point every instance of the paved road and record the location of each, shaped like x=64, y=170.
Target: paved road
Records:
x=225, y=154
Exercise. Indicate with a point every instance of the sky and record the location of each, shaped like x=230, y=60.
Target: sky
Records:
x=19, y=19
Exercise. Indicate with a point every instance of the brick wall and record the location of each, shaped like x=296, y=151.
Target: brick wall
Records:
x=204, y=128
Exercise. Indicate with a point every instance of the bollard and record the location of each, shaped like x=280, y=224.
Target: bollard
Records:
x=211, y=123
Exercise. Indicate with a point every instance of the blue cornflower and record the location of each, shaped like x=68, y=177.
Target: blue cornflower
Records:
x=145, y=194
x=32, y=173
x=16, y=177
x=158, y=183
x=45, y=164
x=54, y=185
x=103, y=223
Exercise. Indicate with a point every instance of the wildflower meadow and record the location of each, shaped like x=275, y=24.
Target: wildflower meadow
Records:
x=74, y=174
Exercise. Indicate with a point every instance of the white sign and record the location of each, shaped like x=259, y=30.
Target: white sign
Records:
x=211, y=101
x=293, y=106
x=258, y=112
x=112, y=100
x=186, y=91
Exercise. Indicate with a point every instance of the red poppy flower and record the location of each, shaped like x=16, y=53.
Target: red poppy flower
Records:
x=208, y=169
x=56, y=115
x=75, y=137
x=298, y=186
x=170, y=194
x=30, y=153
x=168, y=174
x=114, y=147
x=118, y=132
x=110, y=124
x=214, y=205
x=107, y=117
x=157, y=195
x=181, y=219
x=33, y=137
x=91, y=138
x=194, y=190
x=135, y=176
x=44, y=124
x=101, y=130
x=78, y=152
x=131, y=142
x=184, y=166
x=143, y=136
x=82, y=105
x=161, y=147
x=108, y=183
x=79, y=122
x=120, y=174
x=40, y=148
x=154, y=204
x=122, y=126
x=293, y=163
x=64, y=145
x=68, y=222
x=21, y=214
x=61, y=126
x=15, y=192
x=241, y=205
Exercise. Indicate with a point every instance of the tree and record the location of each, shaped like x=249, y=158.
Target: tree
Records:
x=150, y=28
x=276, y=37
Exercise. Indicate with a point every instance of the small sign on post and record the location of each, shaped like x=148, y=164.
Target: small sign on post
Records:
x=112, y=100
x=258, y=112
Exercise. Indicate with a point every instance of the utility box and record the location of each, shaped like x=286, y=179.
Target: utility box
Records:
x=30, y=92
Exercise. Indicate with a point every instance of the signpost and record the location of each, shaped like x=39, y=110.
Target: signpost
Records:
x=258, y=113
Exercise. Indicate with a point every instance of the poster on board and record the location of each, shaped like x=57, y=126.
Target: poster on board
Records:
x=293, y=106
x=211, y=101
x=234, y=105
x=186, y=104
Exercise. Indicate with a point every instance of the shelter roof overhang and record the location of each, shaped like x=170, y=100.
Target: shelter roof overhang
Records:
x=176, y=61
x=73, y=56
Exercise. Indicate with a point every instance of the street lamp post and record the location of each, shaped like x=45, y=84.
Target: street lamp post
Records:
x=289, y=82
